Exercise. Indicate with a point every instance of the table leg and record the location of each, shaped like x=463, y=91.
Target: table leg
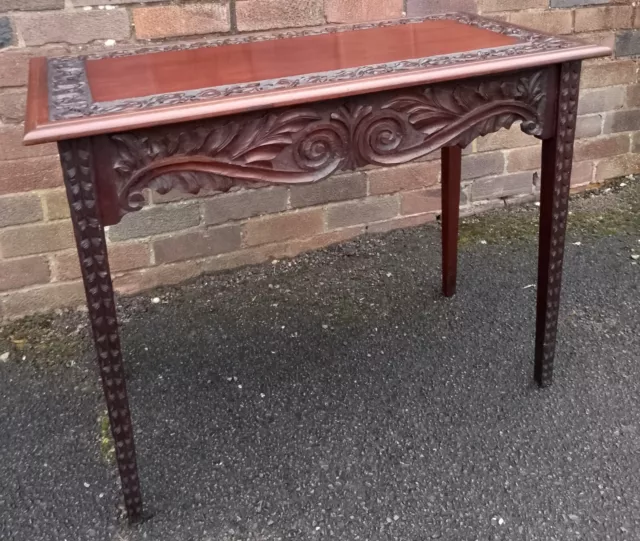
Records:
x=76, y=158
x=451, y=178
x=557, y=156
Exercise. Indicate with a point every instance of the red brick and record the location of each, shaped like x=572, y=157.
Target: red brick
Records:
x=280, y=227
x=512, y=138
x=618, y=121
x=82, y=3
x=574, y=3
x=481, y=206
x=244, y=204
x=297, y=246
x=264, y=14
x=42, y=299
x=36, y=239
x=188, y=20
x=268, y=252
x=604, y=17
x=362, y=211
x=242, y=258
x=598, y=100
x=582, y=173
x=156, y=221
x=23, y=272
x=487, y=6
x=339, y=11
x=144, y=279
x=72, y=26
x=589, y=126
x=482, y=165
x=523, y=159
x=417, y=8
x=553, y=22
x=19, y=209
x=420, y=201
x=606, y=38
x=337, y=188
x=12, y=104
x=11, y=147
x=608, y=73
x=26, y=175
x=502, y=186
x=197, y=244
x=601, y=147
x=30, y=5
x=617, y=166
x=633, y=96
x=401, y=223
x=412, y=176
x=55, y=205
x=14, y=64
x=123, y=256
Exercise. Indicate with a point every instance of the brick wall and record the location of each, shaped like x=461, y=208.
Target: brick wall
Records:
x=176, y=238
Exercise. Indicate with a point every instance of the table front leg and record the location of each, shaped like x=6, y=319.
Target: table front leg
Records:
x=77, y=165
x=451, y=178
x=557, y=157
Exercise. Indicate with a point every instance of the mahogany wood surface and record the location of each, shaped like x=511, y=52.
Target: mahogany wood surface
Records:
x=72, y=97
x=175, y=71
x=451, y=180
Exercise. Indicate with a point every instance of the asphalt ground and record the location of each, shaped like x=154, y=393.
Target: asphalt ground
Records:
x=340, y=396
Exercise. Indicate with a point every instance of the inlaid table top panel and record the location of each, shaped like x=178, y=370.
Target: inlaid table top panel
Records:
x=86, y=95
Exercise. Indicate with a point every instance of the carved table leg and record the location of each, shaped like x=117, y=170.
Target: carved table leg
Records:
x=557, y=156
x=451, y=177
x=77, y=167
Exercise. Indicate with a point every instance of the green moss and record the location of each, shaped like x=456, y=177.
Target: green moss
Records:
x=44, y=340
x=612, y=208
x=107, y=447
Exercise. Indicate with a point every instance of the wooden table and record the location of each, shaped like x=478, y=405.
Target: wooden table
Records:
x=296, y=107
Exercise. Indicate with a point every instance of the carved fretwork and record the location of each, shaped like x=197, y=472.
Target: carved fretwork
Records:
x=77, y=166
x=307, y=144
x=556, y=185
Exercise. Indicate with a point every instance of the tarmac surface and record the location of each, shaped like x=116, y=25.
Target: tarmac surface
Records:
x=340, y=396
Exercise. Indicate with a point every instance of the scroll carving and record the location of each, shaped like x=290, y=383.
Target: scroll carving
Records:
x=301, y=145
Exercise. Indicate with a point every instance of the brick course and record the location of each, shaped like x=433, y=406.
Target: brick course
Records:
x=174, y=21
x=339, y=11
x=178, y=237
x=72, y=26
x=264, y=14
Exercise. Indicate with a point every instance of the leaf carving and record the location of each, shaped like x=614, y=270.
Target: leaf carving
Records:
x=307, y=144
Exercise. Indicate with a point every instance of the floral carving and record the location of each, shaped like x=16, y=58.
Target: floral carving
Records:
x=308, y=144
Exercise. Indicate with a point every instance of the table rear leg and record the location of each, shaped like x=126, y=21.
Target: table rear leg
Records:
x=451, y=179
x=79, y=179
x=557, y=156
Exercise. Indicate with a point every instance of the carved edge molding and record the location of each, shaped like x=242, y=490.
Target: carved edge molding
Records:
x=77, y=166
x=566, y=126
x=307, y=144
x=70, y=96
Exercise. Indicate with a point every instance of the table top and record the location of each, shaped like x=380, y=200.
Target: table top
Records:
x=86, y=95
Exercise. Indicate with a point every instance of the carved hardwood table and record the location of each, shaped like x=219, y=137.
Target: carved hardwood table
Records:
x=293, y=108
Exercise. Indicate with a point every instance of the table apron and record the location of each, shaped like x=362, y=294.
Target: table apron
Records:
x=304, y=144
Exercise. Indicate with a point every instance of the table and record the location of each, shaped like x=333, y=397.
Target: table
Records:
x=296, y=107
